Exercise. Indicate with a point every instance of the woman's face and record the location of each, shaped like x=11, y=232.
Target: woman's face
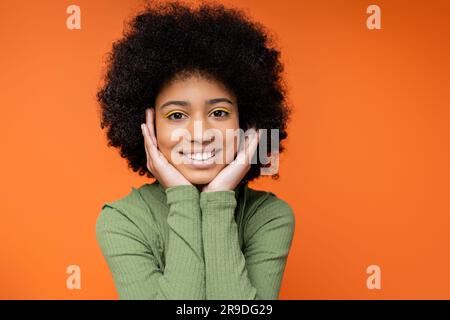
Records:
x=196, y=121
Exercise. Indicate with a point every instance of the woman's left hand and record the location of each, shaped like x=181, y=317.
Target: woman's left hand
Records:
x=230, y=176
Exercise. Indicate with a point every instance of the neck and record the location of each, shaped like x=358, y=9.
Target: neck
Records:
x=199, y=187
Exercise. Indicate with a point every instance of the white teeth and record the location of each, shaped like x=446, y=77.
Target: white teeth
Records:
x=200, y=156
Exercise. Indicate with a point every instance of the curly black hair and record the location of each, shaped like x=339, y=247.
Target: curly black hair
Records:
x=170, y=40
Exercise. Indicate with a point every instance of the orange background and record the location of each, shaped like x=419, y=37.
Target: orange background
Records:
x=366, y=167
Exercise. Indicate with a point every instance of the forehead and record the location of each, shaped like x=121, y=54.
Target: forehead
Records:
x=193, y=89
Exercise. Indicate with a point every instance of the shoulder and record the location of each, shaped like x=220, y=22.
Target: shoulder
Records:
x=132, y=214
x=266, y=208
x=267, y=201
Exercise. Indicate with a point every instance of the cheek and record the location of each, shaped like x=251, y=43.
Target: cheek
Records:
x=165, y=143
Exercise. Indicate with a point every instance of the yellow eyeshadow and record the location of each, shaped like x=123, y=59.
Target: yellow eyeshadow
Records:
x=175, y=111
x=172, y=112
x=223, y=109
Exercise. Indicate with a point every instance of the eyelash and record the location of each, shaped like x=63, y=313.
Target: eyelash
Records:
x=224, y=111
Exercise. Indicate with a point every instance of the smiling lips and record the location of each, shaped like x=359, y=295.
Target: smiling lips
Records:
x=200, y=156
x=200, y=159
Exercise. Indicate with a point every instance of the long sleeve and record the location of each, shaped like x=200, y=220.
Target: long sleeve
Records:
x=132, y=263
x=256, y=273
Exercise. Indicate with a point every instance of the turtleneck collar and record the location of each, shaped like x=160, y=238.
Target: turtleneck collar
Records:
x=162, y=192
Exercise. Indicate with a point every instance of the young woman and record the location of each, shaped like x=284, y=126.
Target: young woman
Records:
x=178, y=83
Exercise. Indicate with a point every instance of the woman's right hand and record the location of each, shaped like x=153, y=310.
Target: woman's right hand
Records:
x=157, y=163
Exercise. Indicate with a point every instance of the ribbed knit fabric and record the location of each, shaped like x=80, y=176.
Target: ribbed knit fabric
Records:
x=179, y=243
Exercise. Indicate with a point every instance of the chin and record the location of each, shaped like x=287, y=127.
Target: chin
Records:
x=200, y=177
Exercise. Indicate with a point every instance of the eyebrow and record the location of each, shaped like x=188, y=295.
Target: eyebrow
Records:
x=186, y=103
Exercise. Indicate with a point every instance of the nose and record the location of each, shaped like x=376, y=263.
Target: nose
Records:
x=200, y=134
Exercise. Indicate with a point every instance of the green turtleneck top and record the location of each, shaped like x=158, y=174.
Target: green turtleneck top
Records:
x=180, y=243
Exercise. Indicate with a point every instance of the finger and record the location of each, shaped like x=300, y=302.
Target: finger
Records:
x=252, y=146
x=152, y=149
x=248, y=136
x=151, y=124
x=241, y=156
x=147, y=142
x=149, y=162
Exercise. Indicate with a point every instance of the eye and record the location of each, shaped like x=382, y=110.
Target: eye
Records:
x=177, y=116
x=220, y=113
